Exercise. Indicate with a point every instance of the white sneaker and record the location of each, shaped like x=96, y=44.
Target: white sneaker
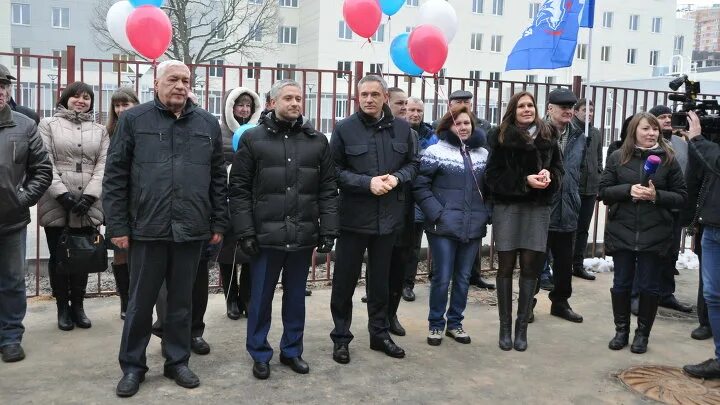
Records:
x=458, y=334
x=435, y=337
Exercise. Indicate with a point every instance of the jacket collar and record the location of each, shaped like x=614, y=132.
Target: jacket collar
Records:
x=424, y=130
x=276, y=125
x=188, y=109
x=516, y=138
x=6, y=119
x=476, y=140
x=384, y=122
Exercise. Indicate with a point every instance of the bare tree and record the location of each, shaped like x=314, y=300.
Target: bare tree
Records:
x=205, y=30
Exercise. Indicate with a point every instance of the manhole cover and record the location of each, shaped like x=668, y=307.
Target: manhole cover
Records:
x=670, y=386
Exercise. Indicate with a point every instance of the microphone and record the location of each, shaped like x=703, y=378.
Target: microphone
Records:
x=678, y=97
x=651, y=165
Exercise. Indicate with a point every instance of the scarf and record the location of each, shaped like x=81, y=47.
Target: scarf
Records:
x=73, y=116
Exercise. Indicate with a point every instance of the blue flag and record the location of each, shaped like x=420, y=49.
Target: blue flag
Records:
x=549, y=43
x=588, y=14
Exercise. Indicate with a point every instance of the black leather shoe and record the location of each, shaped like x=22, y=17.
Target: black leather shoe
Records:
x=308, y=292
x=480, y=283
x=701, y=333
x=261, y=370
x=129, y=384
x=388, y=347
x=707, y=369
x=395, y=327
x=582, y=273
x=565, y=312
x=297, y=364
x=64, y=319
x=341, y=353
x=199, y=346
x=12, y=353
x=672, y=303
x=233, y=312
x=77, y=313
x=182, y=375
x=364, y=298
x=408, y=294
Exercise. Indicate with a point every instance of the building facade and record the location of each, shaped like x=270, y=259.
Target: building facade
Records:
x=707, y=28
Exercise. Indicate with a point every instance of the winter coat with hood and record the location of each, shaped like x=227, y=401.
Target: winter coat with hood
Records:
x=77, y=147
x=230, y=123
x=566, y=203
x=449, y=187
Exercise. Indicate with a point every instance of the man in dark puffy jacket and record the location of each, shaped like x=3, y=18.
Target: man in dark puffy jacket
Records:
x=375, y=159
x=7, y=77
x=164, y=194
x=283, y=203
x=25, y=174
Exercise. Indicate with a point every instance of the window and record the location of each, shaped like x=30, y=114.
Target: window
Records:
x=379, y=35
x=495, y=76
x=23, y=61
x=216, y=71
x=476, y=41
x=122, y=67
x=551, y=79
x=654, y=58
x=605, y=53
x=533, y=9
x=60, y=17
x=657, y=24
x=376, y=68
x=581, y=51
x=409, y=28
x=531, y=78
x=496, y=43
x=61, y=54
x=255, y=33
x=634, y=22
x=343, y=66
x=255, y=1
x=631, y=54
x=288, y=3
x=608, y=19
x=287, y=35
x=475, y=74
x=20, y=14
x=679, y=43
x=344, y=32
x=282, y=74
x=498, y=6
x=411, y=3
x=253, y=73
x=477, y=6
x=218, y=32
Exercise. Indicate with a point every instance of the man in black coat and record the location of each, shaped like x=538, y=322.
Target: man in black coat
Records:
x=283, y=203
x=164, y=194
x=375, y=160
x=5, y=76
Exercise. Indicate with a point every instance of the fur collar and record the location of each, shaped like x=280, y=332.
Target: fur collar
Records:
x=229, y=117
x=73, y=116
x=476, y=140
x=516, y=138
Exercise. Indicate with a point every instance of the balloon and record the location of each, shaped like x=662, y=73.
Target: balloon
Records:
x=440, y=14
x=149, y=31
x=116, y=21
x=428, y=48
x=238, y=133
x=390, y=7
x=362, y=16
x=400, y=55
x=154, y=3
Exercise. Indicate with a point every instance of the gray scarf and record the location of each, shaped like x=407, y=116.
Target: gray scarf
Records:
x=73, y=116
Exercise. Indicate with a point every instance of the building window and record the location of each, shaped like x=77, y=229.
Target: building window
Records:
x=581, y=51
x=533, y=9
x=498, y=6
x=531, y=78
x=495, y=77
x=475, y=74
x=376, y=68
x=654, y=58
x=60, y=54
x=633, y=26
x=379, y=35
x=551, y=79
x=631, y=55
x=255, y=1
x=288, y=3
x=608, y=19
x=216, y=71
x=476, y=41
x=344, y=32
x=657, y=24
x=253, y=73
x=60, y=17
x=605, y=53
x=679, y=43
x=287, y=35
x=342, y=67
x=477, y=6
x=411, y=3
x=20, y=14
x=122, y=67
x=496, y=43
x=218, y=32
x=23, y=61
x=282, y=74
x=255, y=33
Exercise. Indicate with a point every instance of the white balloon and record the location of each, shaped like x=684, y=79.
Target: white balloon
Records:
x=442, y=15
x=116, y=20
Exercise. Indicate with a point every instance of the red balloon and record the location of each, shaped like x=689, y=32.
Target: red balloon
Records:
x=428, y=48
x=149, y=30
x=362, y=16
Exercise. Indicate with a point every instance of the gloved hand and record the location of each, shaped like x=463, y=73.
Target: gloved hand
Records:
x=250, y=246
x=67, y=200
x=326, y=244
x=83, y=205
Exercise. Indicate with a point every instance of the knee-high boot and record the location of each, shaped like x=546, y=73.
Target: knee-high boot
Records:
x=647, y=310
x=527, y=291
x=621, y=315
x=78, y=284
x=61, y=291
x=504, y=301
x=229, y=284
x=122, y=285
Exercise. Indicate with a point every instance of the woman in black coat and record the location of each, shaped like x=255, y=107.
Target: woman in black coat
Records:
x=639, y=230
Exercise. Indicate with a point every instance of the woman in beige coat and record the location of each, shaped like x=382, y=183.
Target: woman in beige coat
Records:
x=77, y=147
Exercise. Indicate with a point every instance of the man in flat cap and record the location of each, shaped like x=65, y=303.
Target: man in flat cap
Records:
x=7, y=78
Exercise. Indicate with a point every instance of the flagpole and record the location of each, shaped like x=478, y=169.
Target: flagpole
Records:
x=587, y=84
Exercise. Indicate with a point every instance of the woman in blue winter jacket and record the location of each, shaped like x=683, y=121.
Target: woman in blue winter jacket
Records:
x=448, y=190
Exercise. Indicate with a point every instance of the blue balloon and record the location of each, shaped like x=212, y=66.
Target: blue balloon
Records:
x=390, y=7
x=138, y=3
x=400, y=54
x=238, y=133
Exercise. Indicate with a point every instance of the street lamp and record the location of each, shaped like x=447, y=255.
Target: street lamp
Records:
x=52, y=78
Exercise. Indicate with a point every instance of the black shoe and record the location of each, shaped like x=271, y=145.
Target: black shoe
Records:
x=308, y=292
x=621, y=316
x=341, y=353
x=233, y=312
x=64, y=319
x=480, y=283
x=296, y=364
x=672, y=303
x=582, y=273
x=408, y=294
x=565, y=312
x=707, y=369
x=199, y=345
x=701, y=333
x=12, y=353
x=647, y=309
x=634, y=305
x=395, y=327
x=129, y=384
x=261, y=370
x=77, y=313
x=388, y=347
x=182, y=375
x=546, y=284
x=364, y=298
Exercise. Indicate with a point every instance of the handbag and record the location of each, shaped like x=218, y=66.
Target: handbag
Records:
x=80, y=252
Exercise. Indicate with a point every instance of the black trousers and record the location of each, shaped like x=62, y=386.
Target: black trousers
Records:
x=400, y=262
x=199, y=303
x=702, y=310
x=587, y=207
x=667, y=266
x=349, y=253
x=560, y=245
x=412, y=264
x=151, y=264
x=64, y=286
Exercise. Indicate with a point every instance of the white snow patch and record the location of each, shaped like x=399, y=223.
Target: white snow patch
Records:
x=687, y=260
x=598, y=265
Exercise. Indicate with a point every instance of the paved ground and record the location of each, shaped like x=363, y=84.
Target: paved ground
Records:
x=565, y=364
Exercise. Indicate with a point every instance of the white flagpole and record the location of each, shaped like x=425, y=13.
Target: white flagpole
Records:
x=587, y=84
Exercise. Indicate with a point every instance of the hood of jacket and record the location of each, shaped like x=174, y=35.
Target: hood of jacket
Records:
x=228, y=118
x=73, y=116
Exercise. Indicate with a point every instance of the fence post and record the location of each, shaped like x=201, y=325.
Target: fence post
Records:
x=359, y=73
x=70, y=65
x=577, y=86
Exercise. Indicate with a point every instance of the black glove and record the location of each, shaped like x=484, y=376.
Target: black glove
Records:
x=67, y=200
x=83, y=205
x=326, y=244
x=250, y=246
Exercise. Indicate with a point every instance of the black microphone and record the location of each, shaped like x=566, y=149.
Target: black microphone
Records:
x=650, y=167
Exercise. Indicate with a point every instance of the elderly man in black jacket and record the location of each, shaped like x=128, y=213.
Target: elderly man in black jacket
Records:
x=375, y=158
x=165, y=195
x=25, y=174
x=283, y=203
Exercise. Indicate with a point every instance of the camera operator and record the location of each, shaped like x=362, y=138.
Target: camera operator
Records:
x=704, y=164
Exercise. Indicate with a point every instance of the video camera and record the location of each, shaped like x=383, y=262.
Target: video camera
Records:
x=707, y=110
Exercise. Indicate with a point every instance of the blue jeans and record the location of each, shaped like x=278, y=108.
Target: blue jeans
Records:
x=451, y=259
x=648, y=267
x=13, y=303
x=711, y=280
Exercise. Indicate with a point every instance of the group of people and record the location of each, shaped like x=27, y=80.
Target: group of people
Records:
x=164, y=179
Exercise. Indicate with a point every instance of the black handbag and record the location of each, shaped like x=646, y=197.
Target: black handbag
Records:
x=80, y=251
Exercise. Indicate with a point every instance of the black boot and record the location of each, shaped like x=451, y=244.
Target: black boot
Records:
x=122, y=285
x=64, y=320
x=527, y=292
x=78, y=284
x=504, y=300
x=229, y=285
x=647, y=309
x=621, y=314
